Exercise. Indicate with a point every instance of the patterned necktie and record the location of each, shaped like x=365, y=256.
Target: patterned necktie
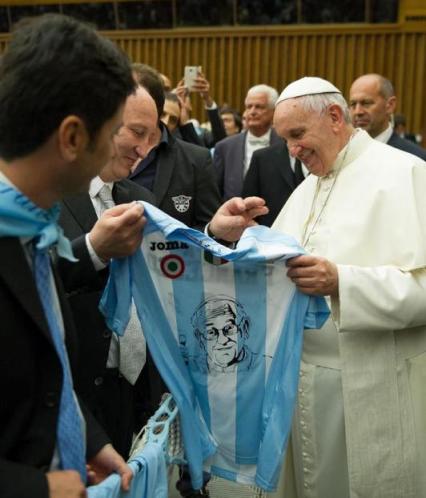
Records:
x=70, y=440
x=298, y=173
x=132, y=344
x=105, y=196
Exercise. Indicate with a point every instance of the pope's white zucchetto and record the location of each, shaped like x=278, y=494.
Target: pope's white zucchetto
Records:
x=309, y=85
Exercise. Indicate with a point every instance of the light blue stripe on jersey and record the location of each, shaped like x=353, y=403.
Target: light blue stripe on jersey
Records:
x=250, y=289
x=188, y=291
x=280, y=393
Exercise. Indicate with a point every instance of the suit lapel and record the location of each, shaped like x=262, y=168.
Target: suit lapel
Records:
x=20, y=280
x=121, y=193
x=81, y=208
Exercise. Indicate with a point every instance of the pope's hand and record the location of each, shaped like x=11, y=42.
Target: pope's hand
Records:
x=314, y=275
x=235, y=215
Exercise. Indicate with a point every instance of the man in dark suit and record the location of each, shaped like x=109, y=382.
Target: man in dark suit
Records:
x=51, y=144
x=372, y=103
x=232, y=155
x=179, y=174
x=273, y=175
x=105, y=384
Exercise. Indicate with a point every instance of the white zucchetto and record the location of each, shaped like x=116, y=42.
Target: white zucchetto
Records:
x=309, y=85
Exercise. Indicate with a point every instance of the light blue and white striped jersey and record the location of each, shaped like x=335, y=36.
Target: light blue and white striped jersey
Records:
x=227, y=339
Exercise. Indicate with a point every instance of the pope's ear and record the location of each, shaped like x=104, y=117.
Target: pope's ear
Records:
x=336, y=114
x=73, y=137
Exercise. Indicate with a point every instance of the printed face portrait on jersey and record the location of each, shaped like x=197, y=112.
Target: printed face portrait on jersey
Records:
x=221, y=327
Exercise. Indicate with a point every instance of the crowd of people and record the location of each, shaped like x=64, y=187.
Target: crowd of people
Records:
x=83, y=134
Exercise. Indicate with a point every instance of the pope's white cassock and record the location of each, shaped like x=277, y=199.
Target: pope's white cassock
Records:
x=360, y=422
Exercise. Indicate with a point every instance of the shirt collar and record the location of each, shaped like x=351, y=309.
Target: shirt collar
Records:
x=96, y=184
x=385, y=135
x=265, y=137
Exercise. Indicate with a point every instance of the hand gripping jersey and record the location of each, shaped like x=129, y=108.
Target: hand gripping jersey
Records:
x=226, y=338
x=149, y=477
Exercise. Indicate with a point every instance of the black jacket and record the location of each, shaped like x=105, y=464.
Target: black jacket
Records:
x=31, y=380
x=185, y=184
x=270, y=176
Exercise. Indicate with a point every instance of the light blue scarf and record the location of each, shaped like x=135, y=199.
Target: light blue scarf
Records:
x=20, y=217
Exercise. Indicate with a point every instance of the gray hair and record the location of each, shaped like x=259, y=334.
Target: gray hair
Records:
x=320, y=102
x=271, y=93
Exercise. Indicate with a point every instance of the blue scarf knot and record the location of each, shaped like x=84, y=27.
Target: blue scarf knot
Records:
x=20, y=217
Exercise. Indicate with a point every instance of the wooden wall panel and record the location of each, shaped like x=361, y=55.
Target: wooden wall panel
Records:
x=235, y=58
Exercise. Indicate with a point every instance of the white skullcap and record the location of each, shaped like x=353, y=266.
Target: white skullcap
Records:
x=309, y=85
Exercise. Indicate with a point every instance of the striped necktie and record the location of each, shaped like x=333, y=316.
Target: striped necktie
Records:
x=70, y=440
x=132, y=345
x=105, y=196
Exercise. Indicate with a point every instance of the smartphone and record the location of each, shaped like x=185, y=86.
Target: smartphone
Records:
x=191, y=72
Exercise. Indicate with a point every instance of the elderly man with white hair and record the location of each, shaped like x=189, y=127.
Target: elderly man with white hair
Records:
x=359, y=429
x=232, y=155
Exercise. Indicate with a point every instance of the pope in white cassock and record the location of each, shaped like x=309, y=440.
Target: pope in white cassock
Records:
x=360, y=422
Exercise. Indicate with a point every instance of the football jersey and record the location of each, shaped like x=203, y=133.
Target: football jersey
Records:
x=225, y=329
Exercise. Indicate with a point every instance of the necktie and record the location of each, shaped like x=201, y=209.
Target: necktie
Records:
x=298, y=173
x=105, y=196
x=132, y=346
x=70, y=440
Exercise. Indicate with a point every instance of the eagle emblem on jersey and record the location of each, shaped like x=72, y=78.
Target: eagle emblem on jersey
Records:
x=181, y=203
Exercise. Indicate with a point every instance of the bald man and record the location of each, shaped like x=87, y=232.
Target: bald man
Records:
x=372, y=103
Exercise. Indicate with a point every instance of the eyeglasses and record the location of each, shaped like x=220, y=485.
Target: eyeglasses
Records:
x=229, y=330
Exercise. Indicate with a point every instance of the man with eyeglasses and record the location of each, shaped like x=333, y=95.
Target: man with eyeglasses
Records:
x=221, y=326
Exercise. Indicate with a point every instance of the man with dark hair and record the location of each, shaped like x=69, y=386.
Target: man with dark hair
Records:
x=180, y=174
x=62, y=87
x=372, y=104
x=231, y=119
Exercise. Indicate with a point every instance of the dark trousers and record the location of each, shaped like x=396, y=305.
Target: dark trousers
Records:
x=113, y=407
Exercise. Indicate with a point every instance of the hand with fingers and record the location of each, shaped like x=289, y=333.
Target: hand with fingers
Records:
x=314, y=275
x=235, y=215
x=118, y=232
x=105, y=462
x=202, y=86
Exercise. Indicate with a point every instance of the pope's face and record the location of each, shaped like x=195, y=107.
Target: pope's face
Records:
x=310, y=136
x=222, y=339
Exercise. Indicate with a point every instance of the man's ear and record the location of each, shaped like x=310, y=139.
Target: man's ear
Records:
x=336, y=115
x=73, y=138
x=391, y=105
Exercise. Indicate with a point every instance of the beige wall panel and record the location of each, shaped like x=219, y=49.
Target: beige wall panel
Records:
x=236, y=58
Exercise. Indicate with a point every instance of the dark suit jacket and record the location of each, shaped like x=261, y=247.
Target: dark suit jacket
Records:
x=185, y=184
x=228, y=160
x=270, y=176
x=85, y=285
x=30, y=380
x=407, y=146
